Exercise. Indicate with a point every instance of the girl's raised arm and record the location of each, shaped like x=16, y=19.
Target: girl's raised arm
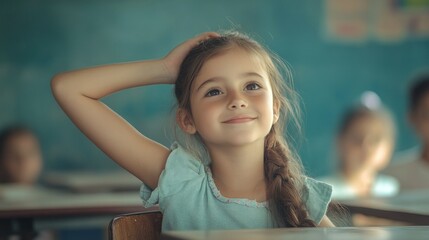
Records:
x=78, y=93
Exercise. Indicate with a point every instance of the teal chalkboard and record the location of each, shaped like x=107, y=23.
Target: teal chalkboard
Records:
x=41, y=38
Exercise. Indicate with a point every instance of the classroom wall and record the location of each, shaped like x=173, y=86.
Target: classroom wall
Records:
x=41, y=38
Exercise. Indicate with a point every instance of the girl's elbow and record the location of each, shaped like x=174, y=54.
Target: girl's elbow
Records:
x=326, y=222
x=57, y=84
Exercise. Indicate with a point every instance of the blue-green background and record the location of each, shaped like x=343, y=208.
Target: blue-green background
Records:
x=41, y=38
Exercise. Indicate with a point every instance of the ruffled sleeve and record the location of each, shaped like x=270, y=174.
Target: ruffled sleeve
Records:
x=316, y=196
x=180, y=168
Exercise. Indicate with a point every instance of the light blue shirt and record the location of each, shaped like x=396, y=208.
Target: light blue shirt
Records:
x=190, y=200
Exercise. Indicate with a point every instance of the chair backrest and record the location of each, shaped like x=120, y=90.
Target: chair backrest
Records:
x=139, y=225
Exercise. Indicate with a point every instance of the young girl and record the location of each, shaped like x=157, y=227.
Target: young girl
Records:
x=233, y=169
x=365, y=144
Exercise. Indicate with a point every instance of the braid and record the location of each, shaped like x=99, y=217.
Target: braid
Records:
x=285, y=198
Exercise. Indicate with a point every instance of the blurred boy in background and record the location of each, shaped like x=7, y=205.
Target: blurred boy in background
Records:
x=411, y=168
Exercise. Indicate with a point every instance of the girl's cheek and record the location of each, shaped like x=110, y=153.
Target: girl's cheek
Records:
x=385, y=151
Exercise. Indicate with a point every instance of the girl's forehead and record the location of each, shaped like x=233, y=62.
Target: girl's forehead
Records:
x=371, y=123
x=22, y=139
x=236, y=55
x=234, y=60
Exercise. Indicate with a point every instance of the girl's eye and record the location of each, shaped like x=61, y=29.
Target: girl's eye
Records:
x=213, y=92
x=253, y=86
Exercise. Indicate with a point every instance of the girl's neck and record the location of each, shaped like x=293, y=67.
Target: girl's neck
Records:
x=360, y=180
x=238, y=171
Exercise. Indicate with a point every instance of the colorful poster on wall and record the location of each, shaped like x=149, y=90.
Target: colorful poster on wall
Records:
x=388, y=23
x=347, y=20
x=418, y=16
x=380, y=20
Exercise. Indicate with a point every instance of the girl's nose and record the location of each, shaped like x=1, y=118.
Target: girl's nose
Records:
x=237, y=102
x=367, y=145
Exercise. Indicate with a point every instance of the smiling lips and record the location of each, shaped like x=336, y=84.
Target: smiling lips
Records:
x=239, y=119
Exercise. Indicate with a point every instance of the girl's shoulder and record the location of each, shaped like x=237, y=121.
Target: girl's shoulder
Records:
x=385, y=186
x=182, y=161
x=181, y=168
x=311, y=184
x=316, y=196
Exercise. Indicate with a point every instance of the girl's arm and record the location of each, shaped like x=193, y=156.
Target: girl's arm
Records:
x=326, y=222
x=78, y=93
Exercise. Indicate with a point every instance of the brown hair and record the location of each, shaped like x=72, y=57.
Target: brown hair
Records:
x=11, y=131
x=362, y=111
x=283, y=171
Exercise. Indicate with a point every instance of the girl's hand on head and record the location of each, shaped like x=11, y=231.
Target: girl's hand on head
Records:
x=174, y=59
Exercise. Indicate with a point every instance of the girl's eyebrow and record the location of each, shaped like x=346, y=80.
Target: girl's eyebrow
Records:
x=243, y=75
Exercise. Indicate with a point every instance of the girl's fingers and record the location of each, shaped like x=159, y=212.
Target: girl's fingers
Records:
x=173, y=60
x=205, y=36
x=208, y=35
x=198, y=39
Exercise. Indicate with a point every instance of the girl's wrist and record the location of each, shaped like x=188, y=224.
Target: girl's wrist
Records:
x=168, y=77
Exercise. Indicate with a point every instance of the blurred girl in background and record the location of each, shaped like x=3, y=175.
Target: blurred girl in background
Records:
x=365, y=143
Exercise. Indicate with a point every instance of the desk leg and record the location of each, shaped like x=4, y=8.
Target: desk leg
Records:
x=23, y=227
x=5, y=228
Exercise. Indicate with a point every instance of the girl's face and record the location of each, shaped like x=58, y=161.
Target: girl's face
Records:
x=366, y=144
x=232, y=100
x=22, y=160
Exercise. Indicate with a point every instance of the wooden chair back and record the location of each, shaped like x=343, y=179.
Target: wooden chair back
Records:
x=140, y=225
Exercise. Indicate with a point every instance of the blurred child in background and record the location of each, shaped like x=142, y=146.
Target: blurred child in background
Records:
x=20, y=164
x=411, y=167
x=20, y=156
x=365, y=143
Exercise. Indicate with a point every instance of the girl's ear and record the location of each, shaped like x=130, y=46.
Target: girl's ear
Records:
x=185, y=122
x=276, y=111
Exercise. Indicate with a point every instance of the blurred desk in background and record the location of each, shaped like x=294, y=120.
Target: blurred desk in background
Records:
x=409, y=207
x=340, y=233
x=26, y=209
x=92, y=182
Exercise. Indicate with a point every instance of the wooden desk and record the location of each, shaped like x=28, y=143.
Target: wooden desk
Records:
x=345, y=233
x=410, y=207
x=36, y=209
